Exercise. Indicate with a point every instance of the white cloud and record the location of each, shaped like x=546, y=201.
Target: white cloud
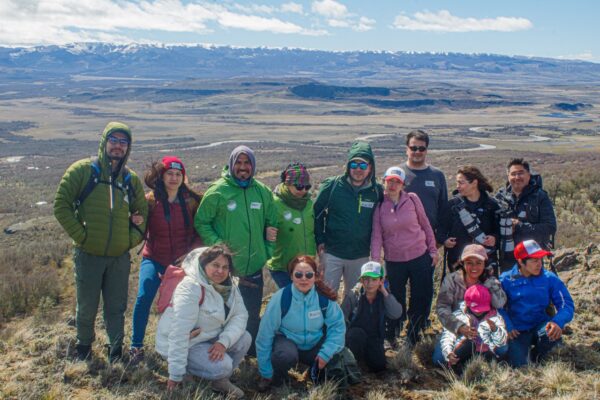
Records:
x=292, y=7
x=35, y=22
x=338, y=16
x=329, y=8
x=444, y=21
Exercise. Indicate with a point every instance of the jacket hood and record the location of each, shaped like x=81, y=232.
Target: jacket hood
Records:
x=535, y=182
x=226, y=175
x=362, y=150
x=111, y=128
x=191, y=266
x=239, y=151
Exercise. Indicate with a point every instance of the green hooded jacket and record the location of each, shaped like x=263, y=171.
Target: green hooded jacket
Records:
x=295, y=236
x=343, y=215
x=94, y=226
x=238, y=217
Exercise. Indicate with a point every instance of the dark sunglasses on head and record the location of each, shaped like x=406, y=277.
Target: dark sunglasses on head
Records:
x=115, y=140
x=300, y=275
x=414, y=149
x=302, y=187
x=362, y=165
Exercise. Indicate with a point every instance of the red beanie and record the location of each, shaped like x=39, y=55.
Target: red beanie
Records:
x=172, y=162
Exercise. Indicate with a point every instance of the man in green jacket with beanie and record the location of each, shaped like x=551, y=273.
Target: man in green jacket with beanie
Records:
x=238, y=210
x=96, y=215
x=343, y=217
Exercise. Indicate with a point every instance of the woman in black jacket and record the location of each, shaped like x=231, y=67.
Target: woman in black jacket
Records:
x=470, y=217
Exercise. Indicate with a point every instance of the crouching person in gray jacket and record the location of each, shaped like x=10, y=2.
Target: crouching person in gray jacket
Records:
x=203, y=331
x=364, y=310
x=486, y=332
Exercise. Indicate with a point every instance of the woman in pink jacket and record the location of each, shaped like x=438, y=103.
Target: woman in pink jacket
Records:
x=401, y=228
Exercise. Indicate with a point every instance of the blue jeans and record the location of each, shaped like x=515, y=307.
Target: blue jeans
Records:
x=520, y=350
x=148, y=286
x=251, y=289
x=281, y=278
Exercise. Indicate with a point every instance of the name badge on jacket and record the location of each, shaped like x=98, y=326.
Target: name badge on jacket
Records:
x=314, y=314
x=367, y=204
x=430, y=183
x=255, y=205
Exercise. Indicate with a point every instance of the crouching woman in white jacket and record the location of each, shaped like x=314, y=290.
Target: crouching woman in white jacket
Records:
x=203, y=331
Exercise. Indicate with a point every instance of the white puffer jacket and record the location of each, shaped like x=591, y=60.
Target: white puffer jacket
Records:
x=493, y=340
x=176, y=323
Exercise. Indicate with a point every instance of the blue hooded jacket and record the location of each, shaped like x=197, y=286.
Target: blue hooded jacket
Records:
x=303, y=325
x=528, y=298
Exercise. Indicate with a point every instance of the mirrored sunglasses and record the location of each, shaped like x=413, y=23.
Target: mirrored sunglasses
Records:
x=302, y=187
x=300, y=275
x=362, y=165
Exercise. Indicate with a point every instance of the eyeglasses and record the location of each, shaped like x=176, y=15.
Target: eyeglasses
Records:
x=362, y=165
x=307, y=275
x=114, y=140
x=302, y=187
x=414, y=149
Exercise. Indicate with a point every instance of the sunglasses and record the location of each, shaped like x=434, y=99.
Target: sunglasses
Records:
x=114, y=140
x=414, y=149
x=362, y=165
x=307, y=275
x=302, y=187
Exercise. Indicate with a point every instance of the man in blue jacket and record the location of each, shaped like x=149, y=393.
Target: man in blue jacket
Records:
x=530, y=289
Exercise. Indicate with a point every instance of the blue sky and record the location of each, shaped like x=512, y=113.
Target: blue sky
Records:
x=557, y=29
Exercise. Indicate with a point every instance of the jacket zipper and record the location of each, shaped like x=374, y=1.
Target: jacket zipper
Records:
x=304, y=318
x=359, y=201
x=111, y=195
x=304, y=231
x=170, y=234
x=249, y=231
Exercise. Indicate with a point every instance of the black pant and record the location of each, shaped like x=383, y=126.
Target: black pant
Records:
x=251, y=289
x=286, y=355
x=420, y=273
x=366, y=349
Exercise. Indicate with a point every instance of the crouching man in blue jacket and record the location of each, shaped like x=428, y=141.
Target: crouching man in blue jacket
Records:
x=530, y=290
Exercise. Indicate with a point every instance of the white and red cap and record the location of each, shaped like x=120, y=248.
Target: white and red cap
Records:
x=530, y=249
x=395, y=172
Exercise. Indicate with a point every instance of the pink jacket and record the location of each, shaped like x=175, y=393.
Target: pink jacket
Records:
x=403, y=230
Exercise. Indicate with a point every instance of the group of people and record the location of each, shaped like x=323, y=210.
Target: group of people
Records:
x=374, y=238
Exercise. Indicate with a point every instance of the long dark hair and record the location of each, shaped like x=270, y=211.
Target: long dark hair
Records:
x=153, y=177
x=485, y=274
x=471, y=173
x=320, y=285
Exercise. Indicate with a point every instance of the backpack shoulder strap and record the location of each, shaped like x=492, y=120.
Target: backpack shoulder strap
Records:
x=286, y=300
x=91, y=183
x=323, y=304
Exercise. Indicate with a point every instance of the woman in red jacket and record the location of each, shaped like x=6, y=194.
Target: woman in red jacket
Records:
x=170, y=236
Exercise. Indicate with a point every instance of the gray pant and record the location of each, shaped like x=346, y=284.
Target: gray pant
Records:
x=335, y=267
x=200, y=365
x=286, y=355
x=109, y=276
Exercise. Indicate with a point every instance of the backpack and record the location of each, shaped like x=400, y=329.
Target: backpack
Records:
x=342, y=369
x=94, y=180
x=169, y=281
x=286, y=301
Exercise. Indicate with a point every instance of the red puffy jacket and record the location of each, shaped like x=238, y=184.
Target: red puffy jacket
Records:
x=166, y=241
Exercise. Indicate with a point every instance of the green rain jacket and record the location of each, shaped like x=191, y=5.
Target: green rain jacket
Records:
x=295, y=236
x=101, y=225
x=343, y=215
x=238, y=217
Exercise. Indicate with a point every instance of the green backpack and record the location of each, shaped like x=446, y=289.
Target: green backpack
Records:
x=342, y=368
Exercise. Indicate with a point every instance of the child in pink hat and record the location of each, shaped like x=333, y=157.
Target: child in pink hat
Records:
x=487, y=332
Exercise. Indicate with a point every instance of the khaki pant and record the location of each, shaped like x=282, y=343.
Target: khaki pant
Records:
x=106, y=276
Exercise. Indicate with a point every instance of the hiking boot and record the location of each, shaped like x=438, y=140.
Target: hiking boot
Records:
x=224, y=386
x=114, y=353
x=136, y=355
x=264, y=384
x=84, y=352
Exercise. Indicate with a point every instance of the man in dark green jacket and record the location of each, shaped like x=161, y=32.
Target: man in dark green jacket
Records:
x=238, y=210
x=343, y=217
x=103, y=234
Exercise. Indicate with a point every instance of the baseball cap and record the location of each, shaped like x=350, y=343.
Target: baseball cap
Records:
x=371, y=269
x=474, y=250
x=395, y=172
x=478, y=298
x=530, y=249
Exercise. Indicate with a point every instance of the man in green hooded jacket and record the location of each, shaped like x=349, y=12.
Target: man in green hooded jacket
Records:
x=238, y=210
x=344, y=215
x=103, y=234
